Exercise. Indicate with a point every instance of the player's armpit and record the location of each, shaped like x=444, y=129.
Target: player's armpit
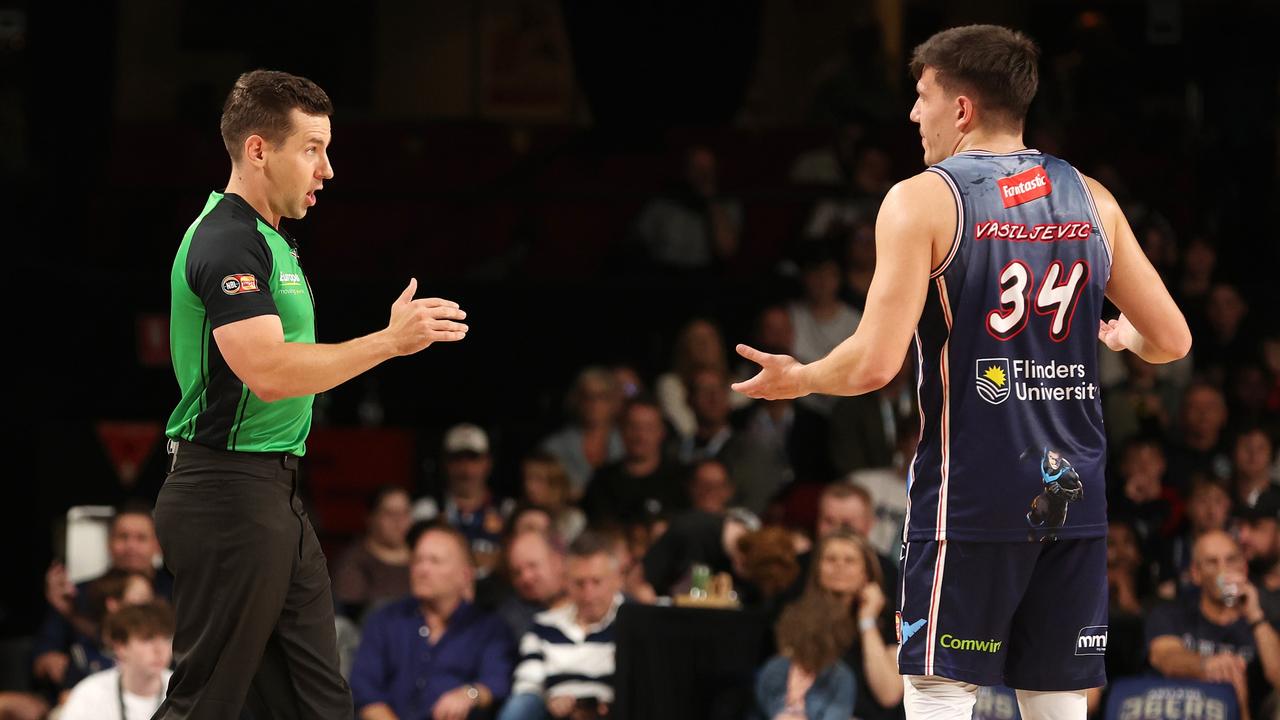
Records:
x=1136, y=288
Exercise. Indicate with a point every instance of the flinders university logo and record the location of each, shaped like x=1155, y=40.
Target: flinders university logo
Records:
x=992, y=379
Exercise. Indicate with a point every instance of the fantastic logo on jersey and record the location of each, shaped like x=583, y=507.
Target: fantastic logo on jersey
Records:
x=992, y=379
x=237, y=284
x=1024, y=187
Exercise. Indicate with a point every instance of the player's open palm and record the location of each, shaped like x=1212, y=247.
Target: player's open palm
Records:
x=415, y=324
x=1111, y=332
x=778, y=379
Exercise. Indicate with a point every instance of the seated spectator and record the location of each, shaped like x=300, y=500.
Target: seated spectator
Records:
x=1260, y=542
x=808, y=679
x=697, y=538
x=1219, y=634
x=22, y=706
x=699, y=346
x=821, y=319
x=1252, y=455
x=1129, y=584
x=1144, y=403
x=567, y=658
x=860, y=261
x=468, y=504
x=710, y=487
x=864, y=428
x=1200, y=444
x=708, y=392
x=141, y=639
x=535, y=562
x=887, y=487
x=1141, y=498
x=132, y=546
x=592, y=438
x=769, y=564
x=644, y=483
x=691, y=226
x=432, y=654
x=848, y=507
x=375, y=569
x=1208, y=510
x=634, y=587
x=1227, y=336
x=547, y=485
x=109, y=593
x=845, y=570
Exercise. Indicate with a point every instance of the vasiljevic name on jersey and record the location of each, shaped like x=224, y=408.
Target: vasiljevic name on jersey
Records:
x=999, y=378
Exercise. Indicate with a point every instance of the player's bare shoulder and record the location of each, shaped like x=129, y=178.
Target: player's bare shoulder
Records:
x=1109, y=212
x=924, y=207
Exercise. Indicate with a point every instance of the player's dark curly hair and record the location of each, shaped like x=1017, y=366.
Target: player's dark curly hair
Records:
x=260, y=103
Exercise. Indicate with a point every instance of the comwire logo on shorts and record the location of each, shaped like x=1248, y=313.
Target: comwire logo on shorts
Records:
x=951, y=642
x=1092, y=640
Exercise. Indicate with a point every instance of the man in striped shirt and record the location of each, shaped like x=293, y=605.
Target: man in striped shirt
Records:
x=567, y=659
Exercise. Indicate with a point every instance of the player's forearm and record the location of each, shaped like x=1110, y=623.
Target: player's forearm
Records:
x=852, y=368
x=1147, y=349
x=296, y=369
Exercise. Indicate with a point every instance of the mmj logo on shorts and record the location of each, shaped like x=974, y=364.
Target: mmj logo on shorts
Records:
x=1092, y=640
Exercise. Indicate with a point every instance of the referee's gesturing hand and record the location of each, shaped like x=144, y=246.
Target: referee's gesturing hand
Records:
x=415, y=324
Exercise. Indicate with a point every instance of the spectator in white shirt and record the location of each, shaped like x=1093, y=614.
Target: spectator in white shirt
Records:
x=141, y=637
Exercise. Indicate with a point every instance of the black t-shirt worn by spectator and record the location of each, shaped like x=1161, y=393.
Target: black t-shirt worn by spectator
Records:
x=615, y=494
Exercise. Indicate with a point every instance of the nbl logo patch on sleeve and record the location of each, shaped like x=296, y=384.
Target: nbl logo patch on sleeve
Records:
x=238, y=284
x=1024, y=187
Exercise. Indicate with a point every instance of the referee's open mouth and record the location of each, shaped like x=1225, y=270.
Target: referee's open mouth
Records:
x=311, y=196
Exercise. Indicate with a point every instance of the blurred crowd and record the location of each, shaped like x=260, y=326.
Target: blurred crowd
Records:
x=471, y=595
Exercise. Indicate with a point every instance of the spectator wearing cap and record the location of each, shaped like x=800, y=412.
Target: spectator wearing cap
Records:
x=433, y=654
x=468, y=504
x=1260, y=540
x=644, y=483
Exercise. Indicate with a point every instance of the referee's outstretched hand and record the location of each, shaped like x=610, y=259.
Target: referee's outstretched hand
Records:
x=778, y=379
x=415, y=324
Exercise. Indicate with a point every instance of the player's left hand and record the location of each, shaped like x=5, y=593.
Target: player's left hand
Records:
x=453, y=705
x=779, y=377
x=1110, y=332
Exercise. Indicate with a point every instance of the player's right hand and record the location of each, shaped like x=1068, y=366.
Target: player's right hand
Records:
x=1111, y=332
x=415, y=324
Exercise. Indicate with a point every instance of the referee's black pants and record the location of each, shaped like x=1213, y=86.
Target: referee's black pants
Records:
x=251, y=592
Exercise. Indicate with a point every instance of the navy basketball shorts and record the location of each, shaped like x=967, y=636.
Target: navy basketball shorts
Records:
x=1031, y=616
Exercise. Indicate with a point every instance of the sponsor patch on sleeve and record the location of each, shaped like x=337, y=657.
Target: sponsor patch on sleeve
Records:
x=1024, y=187
x=241, y=283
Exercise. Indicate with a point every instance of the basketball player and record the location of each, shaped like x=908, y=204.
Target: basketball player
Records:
x=983, y=263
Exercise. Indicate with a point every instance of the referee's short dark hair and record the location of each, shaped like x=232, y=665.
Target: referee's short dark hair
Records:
x=260, y=102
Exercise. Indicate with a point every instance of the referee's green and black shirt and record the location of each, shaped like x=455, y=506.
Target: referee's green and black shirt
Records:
x=233, y=265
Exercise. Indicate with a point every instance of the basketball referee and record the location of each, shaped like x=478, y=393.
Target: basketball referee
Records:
x=255, y=619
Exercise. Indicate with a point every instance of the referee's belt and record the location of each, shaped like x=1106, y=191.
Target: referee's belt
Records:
x=176, y=446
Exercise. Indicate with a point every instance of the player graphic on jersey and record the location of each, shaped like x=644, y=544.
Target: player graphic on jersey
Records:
x=1061, y=486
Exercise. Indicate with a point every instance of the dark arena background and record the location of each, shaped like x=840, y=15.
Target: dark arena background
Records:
x=546, y=164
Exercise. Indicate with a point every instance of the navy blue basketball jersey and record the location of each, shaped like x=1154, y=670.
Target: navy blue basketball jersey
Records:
x=1012, y=445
